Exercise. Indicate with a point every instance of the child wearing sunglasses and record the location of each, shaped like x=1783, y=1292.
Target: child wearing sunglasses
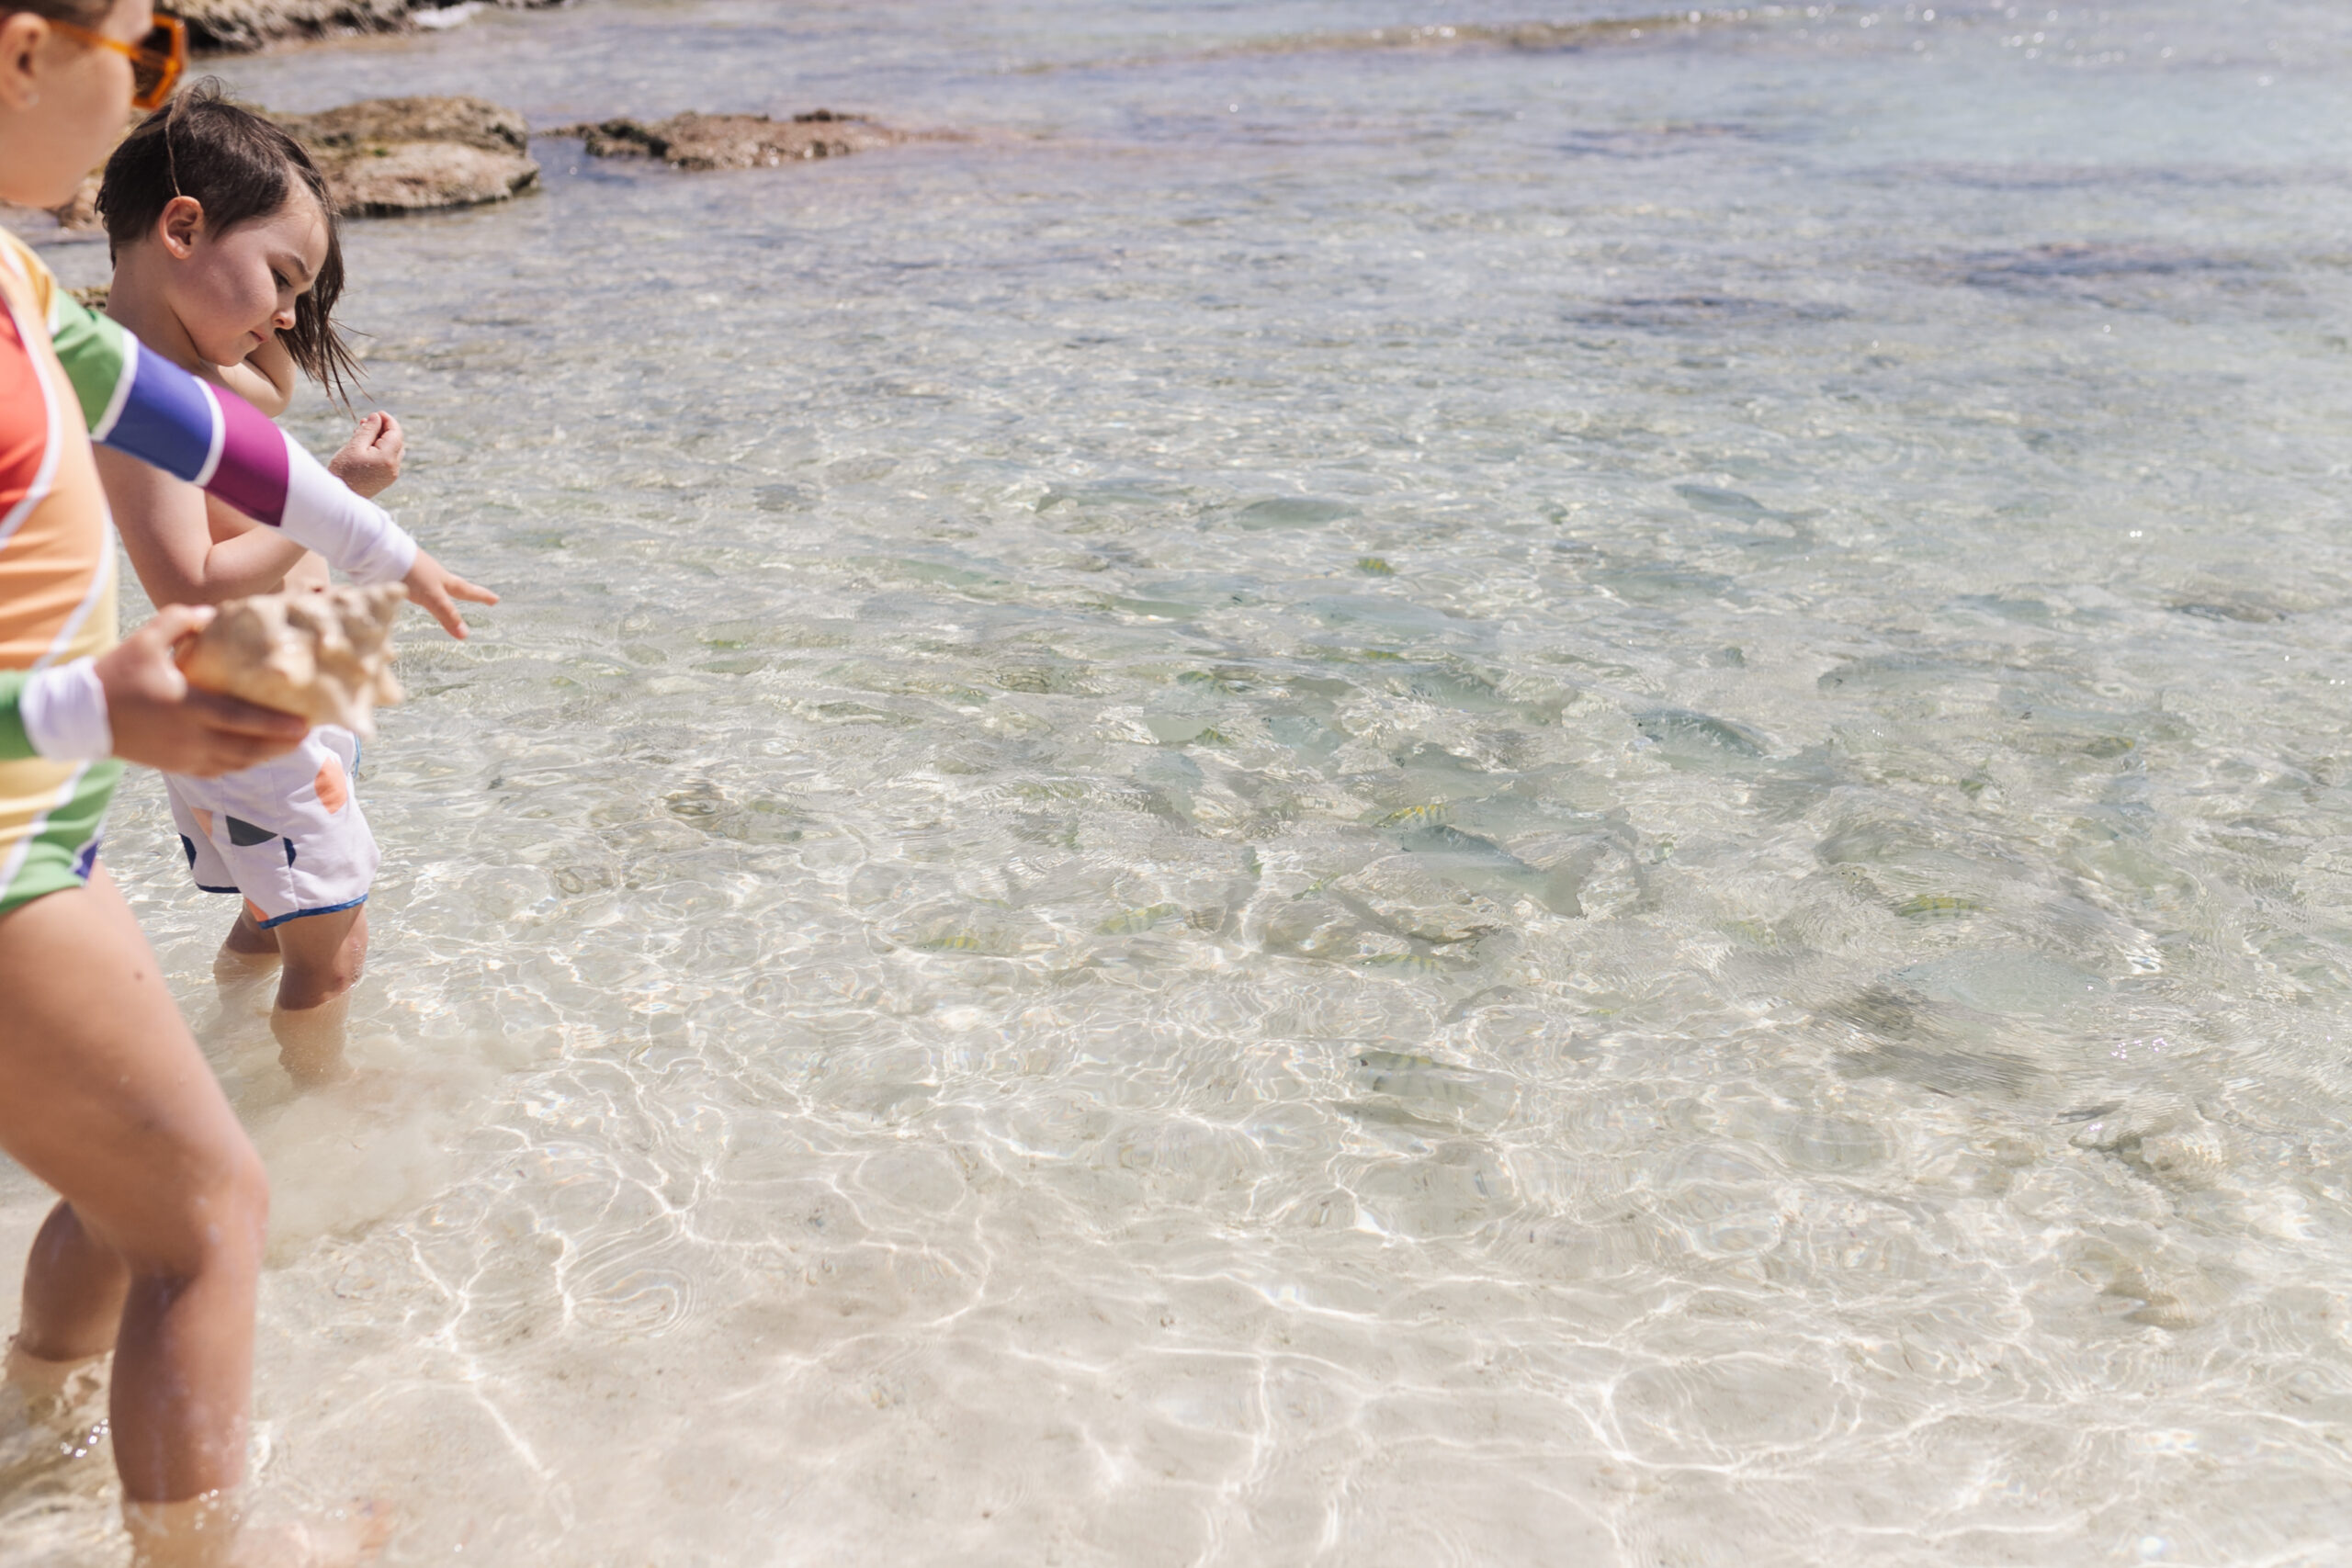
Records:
x=228, y=261
x=155, y=1251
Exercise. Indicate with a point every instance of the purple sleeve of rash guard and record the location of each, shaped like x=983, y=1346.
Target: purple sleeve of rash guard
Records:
x=145, y=406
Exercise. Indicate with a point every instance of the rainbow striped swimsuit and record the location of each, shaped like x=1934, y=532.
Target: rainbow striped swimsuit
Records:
x=57, y=591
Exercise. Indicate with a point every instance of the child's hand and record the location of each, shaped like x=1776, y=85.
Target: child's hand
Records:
x=432, y=586
x=370, y=461
x=159, y=720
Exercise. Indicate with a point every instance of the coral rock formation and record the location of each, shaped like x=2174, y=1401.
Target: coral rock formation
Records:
x=235, y=26
x=326, y=657
x=387, y=156
x=735, y=140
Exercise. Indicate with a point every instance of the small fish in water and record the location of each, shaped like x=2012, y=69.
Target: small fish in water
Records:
x=1435, y=812
x=1373, y=565
x=953, y=942
x=1938, y=907
x=1680, y=727
x=1423, y=1078
x=1411, y=963
x=1135, y=920
x=1393, y=1061
x=1485, y=866
x=1453, y=843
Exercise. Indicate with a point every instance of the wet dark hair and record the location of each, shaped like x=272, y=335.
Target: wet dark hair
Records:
x=242, y=167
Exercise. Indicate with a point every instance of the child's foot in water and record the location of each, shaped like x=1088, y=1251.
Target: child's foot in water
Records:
x=310, y=1042
x=210, y=1532
x=51, y=1412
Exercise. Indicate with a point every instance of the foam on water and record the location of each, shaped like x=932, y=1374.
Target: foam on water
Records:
x=1496, y=800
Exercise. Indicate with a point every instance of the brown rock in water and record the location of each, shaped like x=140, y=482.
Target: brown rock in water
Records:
x=735, y=140
x=239, y=26
x=324, y=656
x=387, y=156
x=242, y=25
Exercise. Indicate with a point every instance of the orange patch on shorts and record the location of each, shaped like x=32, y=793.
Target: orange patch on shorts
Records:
x=334, y=793
x=254, y=910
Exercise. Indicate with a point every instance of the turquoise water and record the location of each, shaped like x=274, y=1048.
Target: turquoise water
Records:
x=1547, y=797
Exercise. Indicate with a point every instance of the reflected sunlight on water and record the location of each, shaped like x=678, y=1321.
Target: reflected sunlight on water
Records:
x=1566, y=797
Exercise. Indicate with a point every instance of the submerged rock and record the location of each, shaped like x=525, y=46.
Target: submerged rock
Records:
x=735, y=140
x=242, y=25
x=387, y=156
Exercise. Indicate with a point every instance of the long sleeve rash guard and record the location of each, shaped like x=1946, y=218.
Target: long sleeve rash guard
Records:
x=139, y=404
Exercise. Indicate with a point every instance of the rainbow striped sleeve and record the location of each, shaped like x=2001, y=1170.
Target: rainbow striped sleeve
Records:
x=145, y=406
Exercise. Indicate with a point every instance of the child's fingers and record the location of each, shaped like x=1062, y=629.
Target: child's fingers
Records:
x=436, y=603
x=172, y=624
x=472, y=592
x=237, y=724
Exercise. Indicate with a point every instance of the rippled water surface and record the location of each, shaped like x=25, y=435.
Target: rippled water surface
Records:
x=1568, y=795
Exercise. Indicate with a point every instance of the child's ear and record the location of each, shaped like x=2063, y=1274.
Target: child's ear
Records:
x=180, y=226
x=22, y=33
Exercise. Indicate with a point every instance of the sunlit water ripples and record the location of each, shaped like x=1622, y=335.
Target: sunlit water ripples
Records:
x=1343, y=803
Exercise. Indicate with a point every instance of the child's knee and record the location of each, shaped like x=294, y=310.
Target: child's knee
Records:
x=314, y=978
x=218, y=1220
x=306, y=986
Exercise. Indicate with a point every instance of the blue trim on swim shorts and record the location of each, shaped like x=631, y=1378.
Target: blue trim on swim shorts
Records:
x=330, y=909
x=201, y=888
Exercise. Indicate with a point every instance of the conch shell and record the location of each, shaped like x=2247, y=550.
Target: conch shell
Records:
x=324, y=656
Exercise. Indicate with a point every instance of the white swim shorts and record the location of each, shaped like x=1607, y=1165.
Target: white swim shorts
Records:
x=287, y=834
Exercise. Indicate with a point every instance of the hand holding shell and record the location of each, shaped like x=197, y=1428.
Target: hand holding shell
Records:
x=325, y=656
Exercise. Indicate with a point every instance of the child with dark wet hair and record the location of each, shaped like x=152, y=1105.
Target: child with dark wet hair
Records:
x=229, y=263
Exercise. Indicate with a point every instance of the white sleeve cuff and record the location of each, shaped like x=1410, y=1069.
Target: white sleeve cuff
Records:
x=358, y=537
x=65, y=711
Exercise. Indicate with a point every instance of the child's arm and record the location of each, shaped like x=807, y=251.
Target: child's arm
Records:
x=139, y=403
x=264, y=378
x=170, y=542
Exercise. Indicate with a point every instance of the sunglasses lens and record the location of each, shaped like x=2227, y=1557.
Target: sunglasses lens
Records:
x=156, y=64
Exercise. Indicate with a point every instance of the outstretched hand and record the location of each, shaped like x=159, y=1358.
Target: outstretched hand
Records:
x=160, y=720
x=435, y=588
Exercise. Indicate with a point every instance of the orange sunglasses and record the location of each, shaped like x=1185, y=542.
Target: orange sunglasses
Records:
x=156, y=61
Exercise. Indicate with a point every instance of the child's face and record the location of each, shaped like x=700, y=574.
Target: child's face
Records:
x=232, y=292
x=62, y=102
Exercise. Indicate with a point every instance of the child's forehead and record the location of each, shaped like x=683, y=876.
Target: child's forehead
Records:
x=299, y=222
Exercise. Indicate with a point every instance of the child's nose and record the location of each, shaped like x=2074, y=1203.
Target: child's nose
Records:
x=284, y=320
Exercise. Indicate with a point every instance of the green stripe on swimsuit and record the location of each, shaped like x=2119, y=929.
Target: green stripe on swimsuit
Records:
x=62, y=848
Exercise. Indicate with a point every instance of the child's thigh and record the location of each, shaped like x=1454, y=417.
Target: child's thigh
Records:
x=103, y=1093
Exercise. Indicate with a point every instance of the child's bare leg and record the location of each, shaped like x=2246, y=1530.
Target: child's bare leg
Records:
x=324, y=955
x=248, y=952
x=74, y=1286
x=104, y=1096
x=53, y=1380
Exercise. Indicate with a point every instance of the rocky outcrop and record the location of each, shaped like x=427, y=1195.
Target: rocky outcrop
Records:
x=388, y=156
x=735, y=140
x=236, y=25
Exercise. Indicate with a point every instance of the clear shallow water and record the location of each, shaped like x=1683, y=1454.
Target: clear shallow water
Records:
x=1348, y=804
